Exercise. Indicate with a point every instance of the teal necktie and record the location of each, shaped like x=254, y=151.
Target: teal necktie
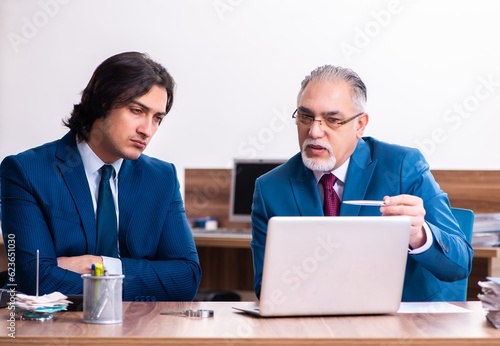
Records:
x=107, y=228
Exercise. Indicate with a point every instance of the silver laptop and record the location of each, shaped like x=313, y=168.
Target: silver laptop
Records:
x=333, y=266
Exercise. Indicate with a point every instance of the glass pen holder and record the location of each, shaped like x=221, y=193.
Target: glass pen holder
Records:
x=102, y=299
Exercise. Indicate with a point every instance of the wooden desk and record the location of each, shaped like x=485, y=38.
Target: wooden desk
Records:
x=143, y=325
x=486, y=261
x=491, y=255
x=223, y=238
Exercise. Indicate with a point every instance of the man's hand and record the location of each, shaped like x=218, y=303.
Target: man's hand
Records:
x=78, y=264
x=408, y=205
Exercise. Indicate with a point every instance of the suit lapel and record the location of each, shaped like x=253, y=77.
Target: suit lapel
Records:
x=129, y=184
x=305, y=191
x=359, y=174
x=70, y=166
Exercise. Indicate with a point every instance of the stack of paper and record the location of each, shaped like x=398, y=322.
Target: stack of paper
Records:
x=47, y=303
x=486, y=230
x=490, y=299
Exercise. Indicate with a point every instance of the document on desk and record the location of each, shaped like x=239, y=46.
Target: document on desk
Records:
x=430, y=308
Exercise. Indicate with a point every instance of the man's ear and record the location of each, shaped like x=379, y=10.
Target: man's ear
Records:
x=361, y=124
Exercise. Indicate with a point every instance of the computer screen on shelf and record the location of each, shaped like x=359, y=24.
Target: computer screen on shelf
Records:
x=244, y=174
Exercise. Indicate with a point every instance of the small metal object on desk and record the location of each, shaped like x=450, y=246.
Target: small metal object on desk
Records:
x=193, y=313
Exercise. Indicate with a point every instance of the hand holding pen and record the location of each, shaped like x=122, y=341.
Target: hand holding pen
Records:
x=412, y=206
x=402, y=205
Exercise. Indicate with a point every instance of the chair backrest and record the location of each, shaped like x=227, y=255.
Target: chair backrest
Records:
x=457, y=290
x=465, y=219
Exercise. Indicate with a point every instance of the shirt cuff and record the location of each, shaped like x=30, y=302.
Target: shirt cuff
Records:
x=112, y=265
x=428, y=242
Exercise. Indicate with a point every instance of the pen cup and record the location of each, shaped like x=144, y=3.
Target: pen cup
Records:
x=102, y=299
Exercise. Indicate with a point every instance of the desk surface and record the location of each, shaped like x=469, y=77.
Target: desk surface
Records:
x=223, y=238
x=143, y=325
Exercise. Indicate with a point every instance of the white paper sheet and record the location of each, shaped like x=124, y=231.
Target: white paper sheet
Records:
x=430, y=307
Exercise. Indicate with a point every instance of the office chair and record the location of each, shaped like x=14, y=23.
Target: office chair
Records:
x=457, y=291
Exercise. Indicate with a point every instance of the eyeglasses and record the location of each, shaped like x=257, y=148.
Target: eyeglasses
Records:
x=332, y=122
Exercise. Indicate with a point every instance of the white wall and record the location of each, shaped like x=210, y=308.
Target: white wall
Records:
x=432, y=69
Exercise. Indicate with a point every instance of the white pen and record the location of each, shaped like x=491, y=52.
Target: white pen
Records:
x=366, y=203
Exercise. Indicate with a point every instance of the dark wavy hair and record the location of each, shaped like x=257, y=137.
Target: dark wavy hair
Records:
x=117, y=81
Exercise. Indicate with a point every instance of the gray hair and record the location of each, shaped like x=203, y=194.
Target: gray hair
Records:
x=337, y=74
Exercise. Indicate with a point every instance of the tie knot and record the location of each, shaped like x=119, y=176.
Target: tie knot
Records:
x=106, y=172
x=328, y=180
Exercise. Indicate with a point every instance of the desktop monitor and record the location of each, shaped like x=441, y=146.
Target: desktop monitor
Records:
x=244, y=174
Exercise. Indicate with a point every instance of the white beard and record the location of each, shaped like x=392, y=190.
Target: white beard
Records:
x=316, y=164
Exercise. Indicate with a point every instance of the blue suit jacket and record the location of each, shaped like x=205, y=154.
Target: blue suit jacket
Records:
x=47, y=205
x=376, y=169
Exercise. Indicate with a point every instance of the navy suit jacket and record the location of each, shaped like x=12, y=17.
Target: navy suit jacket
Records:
x=47, y=205
x=376, y=169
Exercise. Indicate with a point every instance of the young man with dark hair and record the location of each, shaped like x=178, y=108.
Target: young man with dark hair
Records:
x=55, y=200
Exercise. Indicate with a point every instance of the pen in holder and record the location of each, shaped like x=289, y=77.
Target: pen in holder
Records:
x=102, y=299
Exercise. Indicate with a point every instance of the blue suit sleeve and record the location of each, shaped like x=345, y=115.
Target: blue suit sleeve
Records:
x=174, y=273
x=450, y=256
x=159, y=257
x=24, y=221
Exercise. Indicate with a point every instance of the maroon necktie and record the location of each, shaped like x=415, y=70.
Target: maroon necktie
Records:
x=331, y=204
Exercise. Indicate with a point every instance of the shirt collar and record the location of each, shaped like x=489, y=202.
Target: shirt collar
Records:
x=91, y=162
x=339, y=172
